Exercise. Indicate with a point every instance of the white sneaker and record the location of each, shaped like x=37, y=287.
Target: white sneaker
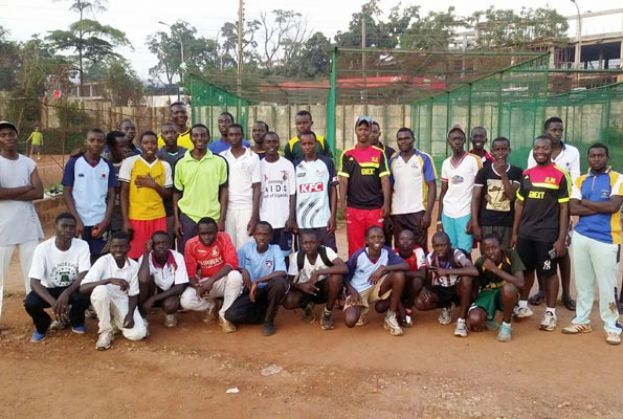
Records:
x=444, y=317
x=461, y=328
x=522, y=312
x=209, y=315
x=391, y=325
x=104, y=341
x=58, y=325
x=170, y=320
x=549, y=321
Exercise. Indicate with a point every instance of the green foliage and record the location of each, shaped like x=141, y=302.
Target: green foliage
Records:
x=9, y=55
x=432, y=32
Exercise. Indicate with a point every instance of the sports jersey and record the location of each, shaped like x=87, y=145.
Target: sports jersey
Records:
x=278, y=185
x=511, y=264
x=172, y=159
x=314, y=180
x=246, y=171
x=460, y=180
x=145, y=203
x=364, y=168
x=293, y=152
x=261, y=264
x=599, y=187
x=209, y=259
x=495, y=207
x=409, y=182
x=568, y=159
x=59, y=268
x=486, y=157
x=183, y=140
x=417, y=259
x=361, y=267
x=447, y=280
x=172, y=272
x=542, y=190
x=308, y=269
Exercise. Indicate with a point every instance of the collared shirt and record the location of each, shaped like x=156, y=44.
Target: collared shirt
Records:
x=568, y=159
x=361, y=267
x=220, y=145
x=314, y=180
x=183, y=140
x=106, y=268
x=145, y=203
x=599, y=187
x=173, y=272
x=208, y=260
x=246, y=171
x=486, y=157
x=364, y=168
x=410, y=179
x=293, y=152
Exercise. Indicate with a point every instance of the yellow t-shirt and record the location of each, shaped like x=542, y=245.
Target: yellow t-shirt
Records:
x=36, y=138
x=145, y=203
x=183, y=140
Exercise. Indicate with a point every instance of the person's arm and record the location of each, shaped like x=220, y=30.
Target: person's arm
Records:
x=339, y=268
x=333, y=206
x=563, y=226
x=387, y=192
x=177, y=225
x=255, y=212
x=204, y=285
x=442, y=194
x=149, y=182
x=173, y=291
x=128, y=323
x=576, y=208
x=14, y=193
x=431, y=194
x=42, y=291
x=269, y=277
x=71, y=206
x=517, y=279
x=343, y=191
x=516, y=221
x=475, y=209
x=223, y=198
x=610, y=206
x=144, y=273
x=30, y=192
x=468, y=270
x=110, y=205
x=124, y=196
x=291, y=222
x=507, y=184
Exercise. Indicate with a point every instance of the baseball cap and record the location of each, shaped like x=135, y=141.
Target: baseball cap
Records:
x=456, y=127
x=362, y=119
x=8, y=124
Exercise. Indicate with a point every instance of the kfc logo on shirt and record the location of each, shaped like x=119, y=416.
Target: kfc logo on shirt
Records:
x=311, y=187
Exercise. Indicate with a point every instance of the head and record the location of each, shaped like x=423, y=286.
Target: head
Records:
x=479, y=138
x=441, y=245
x=224, y=121
x=129, y=128
x=169, y=134
x=8, y=136
x=363, y=127
x=149, y=144
x=308, y=144
x=309, y=242
x=406, y=241
x=200, y=136
x=598, y=155
x=179, y=113
x=271, y=144
x=456, y=140
x=235, y=133
x=262, y=233
x=207, y=230
x=491, y=248
x=405, y=139
x=501, y=148
x=375, y=238
x=95, y=142
x=118, y=145
x=375, y=133
x=303, y=122
x=259, y=130
x=161, y=244
x=553, y=127
x=65, y=226
x=542, y=150
x=120, y=246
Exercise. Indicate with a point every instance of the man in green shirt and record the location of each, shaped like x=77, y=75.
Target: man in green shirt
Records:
x=303, y=123
x=36, y=142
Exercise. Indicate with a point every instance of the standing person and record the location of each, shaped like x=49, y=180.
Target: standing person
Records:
x=364, y=186
x=19, y=223
x=90, y=183
x=200, y=187
x=263, y=271
x=540, y=227
x=375, y=140
x=596, y=198
x=316, y=192
x=179, y=119
x=128, y=127
x=567, y=157
x=212, y=264
x=58, y=266
x=243, y=205
x=414, y=189
x=458, y=174
x=145, y=184
x=278, y=191
x=303, y=123
x=112, y=283
x=118, y=149
x=36, y=143
x=493, y=201
x=259, y=130
x=171, y=153
x=224, y=121
x=479, y=141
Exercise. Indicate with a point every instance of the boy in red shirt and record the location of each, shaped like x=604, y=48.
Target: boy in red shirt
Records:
x=415, y=257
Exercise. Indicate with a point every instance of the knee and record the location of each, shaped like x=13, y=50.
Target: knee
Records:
x=291, y=301
x=187, y=297
x=279, y=284
x=171, y=304
x=476, y=320
x=422, y=305
x=398, y=278
x=136, y=333
x=509, y=290
x=334, y=282
x=416, y=284
x=234, y=279
x=351, y=317
x=145, y=281
x=99, y=293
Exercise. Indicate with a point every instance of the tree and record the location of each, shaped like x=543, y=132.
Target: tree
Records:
x=9, y=57
x=229, y=45
x=313, y=59
x=432, y=32
x=282, y=38
x=123, y=85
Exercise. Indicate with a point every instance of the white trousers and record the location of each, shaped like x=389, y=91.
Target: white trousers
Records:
x=111, y=307
x=229, y=288
x=236, y=223
x=26, y=251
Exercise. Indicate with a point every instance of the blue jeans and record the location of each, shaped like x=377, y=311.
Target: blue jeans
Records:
x=455, y=229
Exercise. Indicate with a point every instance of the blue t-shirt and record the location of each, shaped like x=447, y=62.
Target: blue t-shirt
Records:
x=261, y=264
x=220, y=145
x=360, y=267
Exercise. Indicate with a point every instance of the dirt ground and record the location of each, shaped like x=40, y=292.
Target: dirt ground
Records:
x=359, y=373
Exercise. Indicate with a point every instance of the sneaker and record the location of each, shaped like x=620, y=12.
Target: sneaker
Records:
x=104, y=341
x=407, y=321
x=492, y=325
x=227, y=326
x=613, y=338
x=522, y=312
x=326, y=322
x=58, y=325
x=308, y=313
x=461, y=328
x=391, y=325
x=269, y=329
x=170, y=320
x=38, y=337
x=209, y=315
x=80, y=330
x=504, y=335
x=573, y=329
x=362, y=318
x=444, y=317
x=549, y=321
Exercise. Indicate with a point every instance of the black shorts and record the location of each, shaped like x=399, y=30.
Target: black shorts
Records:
x=411, y=222
x=446, y=295
x=534, y=255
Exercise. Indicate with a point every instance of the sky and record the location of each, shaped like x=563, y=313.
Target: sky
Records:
x=139, y=18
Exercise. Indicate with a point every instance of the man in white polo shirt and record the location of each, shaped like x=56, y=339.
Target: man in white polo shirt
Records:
x=244, y=187
x=414, y=189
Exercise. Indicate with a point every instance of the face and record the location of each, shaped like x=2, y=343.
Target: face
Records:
x=179, y=115
x=262, y=236
x=554, y=129
x=66, y=228
x=363, y=133
x=405, y=141
x=309, y=243
x=271, y=144
x=456, y=140
x=169, y=134
x=8, y=138
x=121, y=149
x=258, y=132
x=406, y=241
x=542, y=151
x=130, y=130
x=375, y=134
x=302, y=123
x=95, y=143
x=224, y=121
x=308, y=145
x=598, y=159
x=200, y=138
x=500, y=150
x=492, y=250
x=161, y=245
x=149, y=145
x=207, y=233
x=119, y=249
x=375, y=239
x=479, y=138
x=441, y=246
x=234, y=136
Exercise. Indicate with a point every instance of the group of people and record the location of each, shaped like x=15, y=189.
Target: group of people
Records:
x=181, y=221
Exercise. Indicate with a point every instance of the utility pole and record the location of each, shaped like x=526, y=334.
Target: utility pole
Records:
x=240, y=33
x=364, y=96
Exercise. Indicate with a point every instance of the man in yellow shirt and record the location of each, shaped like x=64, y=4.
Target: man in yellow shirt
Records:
x=303, y=123
x=36, y=142
x=179, y=117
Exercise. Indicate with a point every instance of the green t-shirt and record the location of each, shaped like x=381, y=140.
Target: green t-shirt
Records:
x=488, y=280
x=36, y=137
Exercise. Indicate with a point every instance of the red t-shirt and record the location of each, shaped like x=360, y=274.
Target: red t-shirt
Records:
x=210, y=259
x=417, y=260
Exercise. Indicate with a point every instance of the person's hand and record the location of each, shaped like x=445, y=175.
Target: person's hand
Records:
x=291, y=226
x=439, y=227
x=468, y=227
x=489, y=265
x=246, y=278
x=121, y=283
x=425, y=221
x=146, y=182
x=560, y=248
x=149, y=246
x=353, y=298
x=60, y=307
x=221, y=224
x=149, y=305
x=177, y=228
x=99, y=229
x=205, y=287
x=477, y=232
x=79, y=228
x=500, y=167
x=385, y=210
x=376, y=275
x=251, y=225
x=252, y=292
x=314, y=277
x=128, y=322
x=331, y=225
x=308, y=288
x=514, y=240
x=126, y=226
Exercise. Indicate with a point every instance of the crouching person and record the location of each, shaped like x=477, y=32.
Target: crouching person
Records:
x=112, y=283
x=211, y=262
x=499, y=281
x=316, y=276
x=161, y=277
x=375, y=273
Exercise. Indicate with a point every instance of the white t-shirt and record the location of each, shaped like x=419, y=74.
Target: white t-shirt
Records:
x=278, y=184
x=410, y=188
x=460, y=179
x=304, y=274
x=568, y=159
x=313, y=182
x=170, y=274
x=244, y=171
x=106, y=268
x=58, y=268
x=19, y=222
